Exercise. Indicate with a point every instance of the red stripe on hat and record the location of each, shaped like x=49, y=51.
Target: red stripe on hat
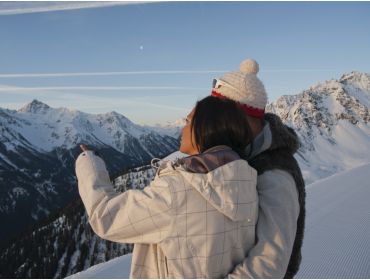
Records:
x=249, y=110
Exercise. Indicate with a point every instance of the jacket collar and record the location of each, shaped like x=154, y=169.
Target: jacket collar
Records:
x=208, y=160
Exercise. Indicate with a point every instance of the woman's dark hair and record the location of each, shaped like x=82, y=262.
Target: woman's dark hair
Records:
x=219, y=121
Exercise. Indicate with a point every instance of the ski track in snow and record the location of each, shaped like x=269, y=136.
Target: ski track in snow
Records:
x=336, y=242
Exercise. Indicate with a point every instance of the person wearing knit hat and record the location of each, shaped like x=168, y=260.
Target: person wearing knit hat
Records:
x=243, y=87
x=280, y=184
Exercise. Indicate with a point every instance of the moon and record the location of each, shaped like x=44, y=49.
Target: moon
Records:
x=141, y=47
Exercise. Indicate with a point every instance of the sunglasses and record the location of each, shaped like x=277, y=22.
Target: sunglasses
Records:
x=217, y=83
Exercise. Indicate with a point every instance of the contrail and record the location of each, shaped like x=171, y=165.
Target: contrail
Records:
x=122, y=73
x=298, y=70
x=13, y=8
x=106, y=88
x=105, y=102
x=45, y=75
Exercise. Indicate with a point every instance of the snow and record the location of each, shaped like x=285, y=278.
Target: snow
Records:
x=18, y=191
x=358, y=94
x=45, y=188
x=347, y=148
x=118, y=268
x=7, y=161
x=336, y=242
x=358, y=83
x=60, y=265
x=137, y=178
x=73, y=260
x=170, y=128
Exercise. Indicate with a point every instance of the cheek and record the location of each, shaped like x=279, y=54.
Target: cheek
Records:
x=184, y=134
x=185, y=140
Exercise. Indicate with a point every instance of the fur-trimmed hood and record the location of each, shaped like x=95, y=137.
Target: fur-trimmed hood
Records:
x=273, y=150
x=275, y=135
x=282, y=136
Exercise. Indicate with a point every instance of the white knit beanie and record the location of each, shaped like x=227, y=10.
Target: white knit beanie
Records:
x=245, y=88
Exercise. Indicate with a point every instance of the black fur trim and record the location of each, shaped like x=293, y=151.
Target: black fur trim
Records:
x=280, y=156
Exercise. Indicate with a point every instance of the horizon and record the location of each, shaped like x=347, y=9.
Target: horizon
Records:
x=173, y=122
x=151, y=62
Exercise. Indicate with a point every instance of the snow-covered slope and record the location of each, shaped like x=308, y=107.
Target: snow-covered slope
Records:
x=336, y=243
x=332, y=120
x=118, y=268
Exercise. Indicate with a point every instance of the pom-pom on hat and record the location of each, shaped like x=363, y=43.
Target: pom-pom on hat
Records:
x=243, y=87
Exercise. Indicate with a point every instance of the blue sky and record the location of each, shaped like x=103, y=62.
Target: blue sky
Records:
x=153, y=61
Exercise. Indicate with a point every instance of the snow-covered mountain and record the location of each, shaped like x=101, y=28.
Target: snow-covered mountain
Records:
x=336, y=243
x=332, y=120
x=43, y=128
x=171, y=128
x=38, y=147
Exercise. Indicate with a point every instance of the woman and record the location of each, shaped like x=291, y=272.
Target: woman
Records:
x=197, y=217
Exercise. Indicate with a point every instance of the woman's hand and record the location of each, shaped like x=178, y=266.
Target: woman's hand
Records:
x=84, y=148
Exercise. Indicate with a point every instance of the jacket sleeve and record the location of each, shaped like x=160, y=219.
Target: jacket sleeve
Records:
x=275, y=230
x=135, y=216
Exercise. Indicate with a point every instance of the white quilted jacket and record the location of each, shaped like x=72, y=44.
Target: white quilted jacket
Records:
x=184, y=224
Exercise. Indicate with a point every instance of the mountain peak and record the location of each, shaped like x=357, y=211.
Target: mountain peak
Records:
x=355, y=75
x=35, y=107
x=116, y=116
x=357, y=79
